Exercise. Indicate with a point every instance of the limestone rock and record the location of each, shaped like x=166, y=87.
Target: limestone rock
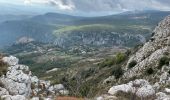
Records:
x=145, y=91
x=19, y=84
x=162, y=96
x=163, y=77
x=11, y=60
x=140, y=87
x=3, y=91
x=167, y=90
x=123, y=88
x=64, y=92
x=16, y=97
x=59, y=87
x=16, y=88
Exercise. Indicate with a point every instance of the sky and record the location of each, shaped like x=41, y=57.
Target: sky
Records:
x=86, y=7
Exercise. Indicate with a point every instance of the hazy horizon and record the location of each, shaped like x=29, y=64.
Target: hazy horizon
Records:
x=80, y=7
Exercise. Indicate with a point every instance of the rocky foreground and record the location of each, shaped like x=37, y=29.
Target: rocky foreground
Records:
x=20, y=84
x=149, y=78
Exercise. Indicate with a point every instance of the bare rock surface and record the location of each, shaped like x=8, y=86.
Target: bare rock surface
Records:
x=19, y=83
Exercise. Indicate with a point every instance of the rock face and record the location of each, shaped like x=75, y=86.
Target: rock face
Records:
x=17, y=79
x=20, y=84
x=98, y=38
x=154, y=55
x=24, y=40
x=152, y=51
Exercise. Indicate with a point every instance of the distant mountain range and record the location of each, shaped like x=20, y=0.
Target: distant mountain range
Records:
x=62, y=29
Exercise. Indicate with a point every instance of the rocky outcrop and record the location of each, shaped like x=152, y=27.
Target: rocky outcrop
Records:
x=98, y=38
x=140, y=88
x=17, y=79
x=24, y=40
x=150, y=54
x=154, y=55
x=19, y=83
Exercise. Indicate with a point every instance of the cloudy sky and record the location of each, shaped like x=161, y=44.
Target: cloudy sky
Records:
x=89, y=7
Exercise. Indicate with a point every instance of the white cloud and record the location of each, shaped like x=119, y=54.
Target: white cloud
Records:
x=59, y=4
x=96, y=7
x=68, y=5
x=27, y=2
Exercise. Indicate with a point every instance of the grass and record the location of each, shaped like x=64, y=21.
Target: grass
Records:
x=92, y=27
x=118, y=59
x=131, y=29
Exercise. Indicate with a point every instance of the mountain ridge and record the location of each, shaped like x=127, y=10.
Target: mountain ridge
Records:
x=146, y=73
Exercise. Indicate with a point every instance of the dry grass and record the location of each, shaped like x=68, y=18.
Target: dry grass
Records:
x=3, y=66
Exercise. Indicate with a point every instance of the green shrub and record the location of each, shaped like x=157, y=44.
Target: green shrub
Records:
x=163, y=61
x=107, y=63
x=3, y=67
x=132, y=64
x=169, y=71
x=149, y=71
x=120, y=57
x=117, y=72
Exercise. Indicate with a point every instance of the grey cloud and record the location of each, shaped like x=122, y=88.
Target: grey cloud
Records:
x=114, y=5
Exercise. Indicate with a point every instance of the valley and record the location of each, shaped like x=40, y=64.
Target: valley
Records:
x=78, y=51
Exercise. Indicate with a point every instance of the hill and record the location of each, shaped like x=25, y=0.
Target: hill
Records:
x=43, y=28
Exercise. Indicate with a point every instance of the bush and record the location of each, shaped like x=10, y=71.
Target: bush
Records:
x=3, y=67
x=120, y=57
x=149, y=71
x=163, y=61
x=169, y=71
x=117, y=72
x=132, y=64
x=107, y=63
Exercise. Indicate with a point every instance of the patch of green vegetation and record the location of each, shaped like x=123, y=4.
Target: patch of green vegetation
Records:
x=107, y=62
x=132, y=64
x=163, y=61
x=149, y=71
x=117, y=72
x=120, y=57
x=81, y=28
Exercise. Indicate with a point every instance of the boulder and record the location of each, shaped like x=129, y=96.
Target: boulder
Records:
x=141, y=88
x=16, y=88
x=162, y=96
x=58, y=87
x=121, y=88
x=15, y=97
x=145, y=91
x=3, y=91
x=64, y=92
x=11, y=60
x=167, y=90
